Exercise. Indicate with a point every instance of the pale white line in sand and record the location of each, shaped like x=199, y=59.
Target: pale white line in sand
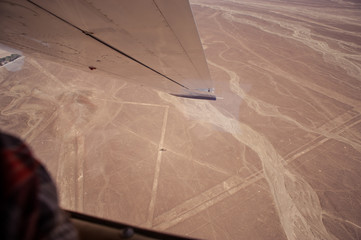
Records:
x=134, y=103
x=80, y=173
x=205, y=200
x=149, y=222
x=342, y=220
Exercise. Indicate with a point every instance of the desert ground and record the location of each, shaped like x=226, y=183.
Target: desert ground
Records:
x=277, y=156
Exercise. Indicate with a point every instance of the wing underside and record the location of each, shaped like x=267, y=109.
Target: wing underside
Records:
x=154, y=43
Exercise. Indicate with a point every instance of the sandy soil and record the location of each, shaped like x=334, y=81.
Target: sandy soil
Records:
x=279, y=157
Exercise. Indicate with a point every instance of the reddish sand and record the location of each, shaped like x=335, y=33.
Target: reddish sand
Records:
x=278, y=158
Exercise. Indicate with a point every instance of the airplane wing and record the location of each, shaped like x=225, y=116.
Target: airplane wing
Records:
x=150, y=42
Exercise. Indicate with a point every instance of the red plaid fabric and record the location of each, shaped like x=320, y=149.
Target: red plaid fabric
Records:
x=28, y=199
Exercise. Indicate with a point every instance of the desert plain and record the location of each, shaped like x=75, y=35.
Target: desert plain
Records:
x=277, y=156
